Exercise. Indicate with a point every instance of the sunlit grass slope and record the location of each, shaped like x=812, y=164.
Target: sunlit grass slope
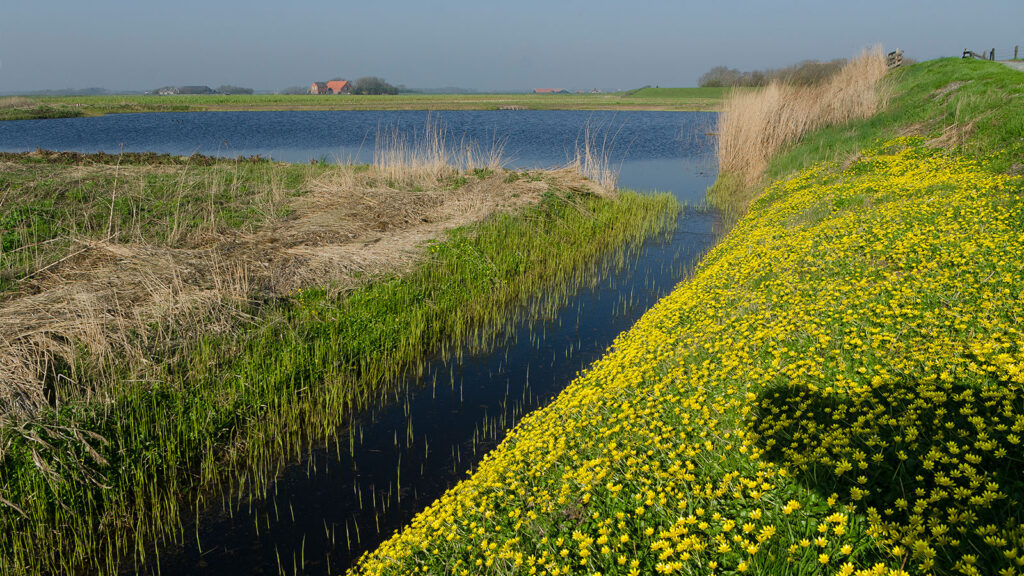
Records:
x=836, y=391
x=970, y=104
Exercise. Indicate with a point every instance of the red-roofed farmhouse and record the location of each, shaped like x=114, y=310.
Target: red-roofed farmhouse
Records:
x=339, y=87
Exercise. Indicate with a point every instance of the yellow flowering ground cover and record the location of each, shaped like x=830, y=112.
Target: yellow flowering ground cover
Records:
x=836, y=391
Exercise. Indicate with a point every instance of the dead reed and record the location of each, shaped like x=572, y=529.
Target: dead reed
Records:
x=592, y=157
x=432, y=153
x=755, y=126
x=16, y=102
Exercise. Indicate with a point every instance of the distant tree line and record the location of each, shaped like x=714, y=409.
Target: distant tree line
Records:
x=200, y=89
x=69, y=92
x=805, y=73
x=229, y=89
x=373, y=85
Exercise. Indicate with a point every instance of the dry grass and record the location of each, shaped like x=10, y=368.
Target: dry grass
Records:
x=16, y=102
x=127, y=299
x=754, y=126
x=425, y=156
x=592, y=157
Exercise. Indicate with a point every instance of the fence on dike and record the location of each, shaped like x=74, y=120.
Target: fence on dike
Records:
x=991, y=54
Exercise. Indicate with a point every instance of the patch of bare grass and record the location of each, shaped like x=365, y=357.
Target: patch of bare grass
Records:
x=113, y=293
x=947, y=89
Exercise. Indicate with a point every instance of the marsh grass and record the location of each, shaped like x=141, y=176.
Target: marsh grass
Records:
x=129, y=420
x=433, y=152
x=592, y=159
x=94, y=253
x=91, y=254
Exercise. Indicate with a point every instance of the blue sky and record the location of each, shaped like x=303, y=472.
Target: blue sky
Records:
x=479, y=44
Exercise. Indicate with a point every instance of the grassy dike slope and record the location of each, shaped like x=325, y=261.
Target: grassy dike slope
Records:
x=837, y=390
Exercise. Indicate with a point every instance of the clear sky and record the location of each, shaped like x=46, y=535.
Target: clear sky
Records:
x=479, y=44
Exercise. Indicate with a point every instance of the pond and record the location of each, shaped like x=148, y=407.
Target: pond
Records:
x=648, y=149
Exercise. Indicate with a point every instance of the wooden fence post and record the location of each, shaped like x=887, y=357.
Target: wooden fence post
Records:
x=992, y=54
x=1015, y=49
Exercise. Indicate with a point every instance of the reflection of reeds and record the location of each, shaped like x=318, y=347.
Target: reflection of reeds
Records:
x=754, y=126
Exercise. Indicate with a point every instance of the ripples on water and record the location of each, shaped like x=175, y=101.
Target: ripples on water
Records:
x=646, y=147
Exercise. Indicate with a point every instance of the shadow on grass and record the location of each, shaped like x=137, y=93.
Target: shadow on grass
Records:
x=939, y=466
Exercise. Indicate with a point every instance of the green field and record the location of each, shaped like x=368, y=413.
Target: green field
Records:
x=839, y=389
x=678, y=99
x=714, y=93
x=972, y=105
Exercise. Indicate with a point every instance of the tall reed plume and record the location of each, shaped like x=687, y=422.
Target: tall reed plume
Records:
x=754, y=126
x=592, y=153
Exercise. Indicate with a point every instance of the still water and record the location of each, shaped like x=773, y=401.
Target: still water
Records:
x=344, y=499
x=648, y=148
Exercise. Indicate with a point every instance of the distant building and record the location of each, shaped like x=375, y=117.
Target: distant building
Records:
x=550, y=91
x=331, y=87
x=339, y=87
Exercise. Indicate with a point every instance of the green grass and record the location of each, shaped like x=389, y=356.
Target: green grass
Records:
x=97, y=486
x=925, y=101
x=59, y=106
x=713, y=93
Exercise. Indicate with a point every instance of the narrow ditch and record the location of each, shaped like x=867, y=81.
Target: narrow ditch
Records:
x=341, y=501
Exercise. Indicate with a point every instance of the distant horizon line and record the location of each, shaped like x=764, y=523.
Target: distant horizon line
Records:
x=102, y=91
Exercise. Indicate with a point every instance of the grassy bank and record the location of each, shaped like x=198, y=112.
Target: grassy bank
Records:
x=113, y=447
x=836, y=391
x=973, y=106
x=676, y=99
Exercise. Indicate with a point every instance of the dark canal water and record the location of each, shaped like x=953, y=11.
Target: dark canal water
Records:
x=327, y=510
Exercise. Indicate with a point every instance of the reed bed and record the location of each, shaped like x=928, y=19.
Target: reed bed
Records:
x=754, y=126
x=313, y=287
x=432, y=152
x=592, y=154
